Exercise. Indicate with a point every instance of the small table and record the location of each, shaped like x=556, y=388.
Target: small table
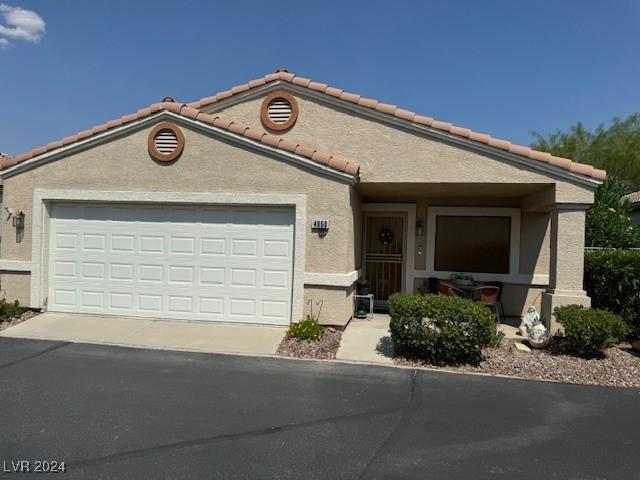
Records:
x=369, y=296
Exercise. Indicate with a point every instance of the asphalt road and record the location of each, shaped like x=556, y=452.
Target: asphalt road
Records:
x=112, y=412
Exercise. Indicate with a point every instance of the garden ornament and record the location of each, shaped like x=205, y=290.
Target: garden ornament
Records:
x=539, y=336
x=531, y=318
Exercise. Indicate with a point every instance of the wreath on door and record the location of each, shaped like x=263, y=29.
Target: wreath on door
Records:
x=386, y=236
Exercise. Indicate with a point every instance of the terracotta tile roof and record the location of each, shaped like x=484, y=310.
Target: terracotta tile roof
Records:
x=2, y=157
x=280, y=143
x=565, y=163
x=633, y=197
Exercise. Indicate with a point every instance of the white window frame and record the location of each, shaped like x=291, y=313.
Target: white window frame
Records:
x=514, y=243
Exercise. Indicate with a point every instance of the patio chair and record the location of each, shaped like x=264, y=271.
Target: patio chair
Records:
x=489, y=295
x=444, y=288
x=499, y=302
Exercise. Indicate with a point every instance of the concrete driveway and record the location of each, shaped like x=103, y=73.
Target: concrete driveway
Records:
x=210, y=337
x=113, y=412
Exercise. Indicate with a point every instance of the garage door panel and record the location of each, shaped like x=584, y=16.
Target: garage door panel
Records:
x=210, y=263
x=121, y=301
x=274, y=309
x=66, y=241
x=94, y=242
x=92, y=271
x=212, y=246
x=151, y=244
x=65, y=269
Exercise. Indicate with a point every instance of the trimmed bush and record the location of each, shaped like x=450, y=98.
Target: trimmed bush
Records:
x=589, y=331
x=10, y=309
x=307, y=329
x=440, y=329
x=612, y=280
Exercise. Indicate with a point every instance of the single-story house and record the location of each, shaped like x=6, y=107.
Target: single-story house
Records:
x=271, y=198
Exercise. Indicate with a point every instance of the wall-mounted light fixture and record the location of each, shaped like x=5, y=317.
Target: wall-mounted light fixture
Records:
x=18, y=220
x=419, y=228
x=18, y=224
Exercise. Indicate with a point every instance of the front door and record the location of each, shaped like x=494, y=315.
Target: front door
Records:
x=384, y=252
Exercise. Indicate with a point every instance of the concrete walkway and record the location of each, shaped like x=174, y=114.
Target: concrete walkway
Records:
x=370, y=341
x=367, y=341
x=150, y=333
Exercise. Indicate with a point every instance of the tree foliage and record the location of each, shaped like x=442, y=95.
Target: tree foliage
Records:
x=608, y=220
x=615, y=149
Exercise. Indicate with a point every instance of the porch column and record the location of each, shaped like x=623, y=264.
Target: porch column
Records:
x=567, y=261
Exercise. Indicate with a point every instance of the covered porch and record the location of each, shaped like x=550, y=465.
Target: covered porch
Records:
x=527, y=238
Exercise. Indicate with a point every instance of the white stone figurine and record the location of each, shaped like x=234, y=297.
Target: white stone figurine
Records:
x=539, y=336
x=531, y=318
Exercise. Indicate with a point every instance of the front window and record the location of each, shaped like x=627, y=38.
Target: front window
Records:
x=475, y=244
x=481, y=241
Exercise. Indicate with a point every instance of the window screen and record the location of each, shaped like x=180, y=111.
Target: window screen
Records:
x=472, y=244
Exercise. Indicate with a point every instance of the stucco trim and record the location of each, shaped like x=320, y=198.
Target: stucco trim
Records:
x=43, y=198
x=571, y=207
x=331, y=279
x=514, y=253
x=15, y=265
x=536, y=280
x=410, y=210
x=407, y=125
x=201, y=126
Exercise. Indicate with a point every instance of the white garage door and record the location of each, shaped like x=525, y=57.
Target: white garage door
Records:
x=231, y=264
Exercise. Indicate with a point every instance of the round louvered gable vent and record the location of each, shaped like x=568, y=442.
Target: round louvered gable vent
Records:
x=166, y=142
x=279, y=111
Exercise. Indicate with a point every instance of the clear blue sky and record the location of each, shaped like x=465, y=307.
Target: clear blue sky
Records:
x=501, y=67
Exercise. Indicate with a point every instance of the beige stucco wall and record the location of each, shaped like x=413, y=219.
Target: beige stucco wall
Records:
x=206, y=165
x=535, y=247
x=330, y=305
x=15, y=286
x=389, y=154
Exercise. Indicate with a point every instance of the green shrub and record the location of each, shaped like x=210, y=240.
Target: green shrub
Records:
x=307, y=329
x=612, y=280
x=10, y=309
x=440, y=329
x=588, y=331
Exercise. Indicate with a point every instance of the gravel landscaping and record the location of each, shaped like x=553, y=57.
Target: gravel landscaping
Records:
x=11, y=321
x=325, y=348
x=620, y=367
